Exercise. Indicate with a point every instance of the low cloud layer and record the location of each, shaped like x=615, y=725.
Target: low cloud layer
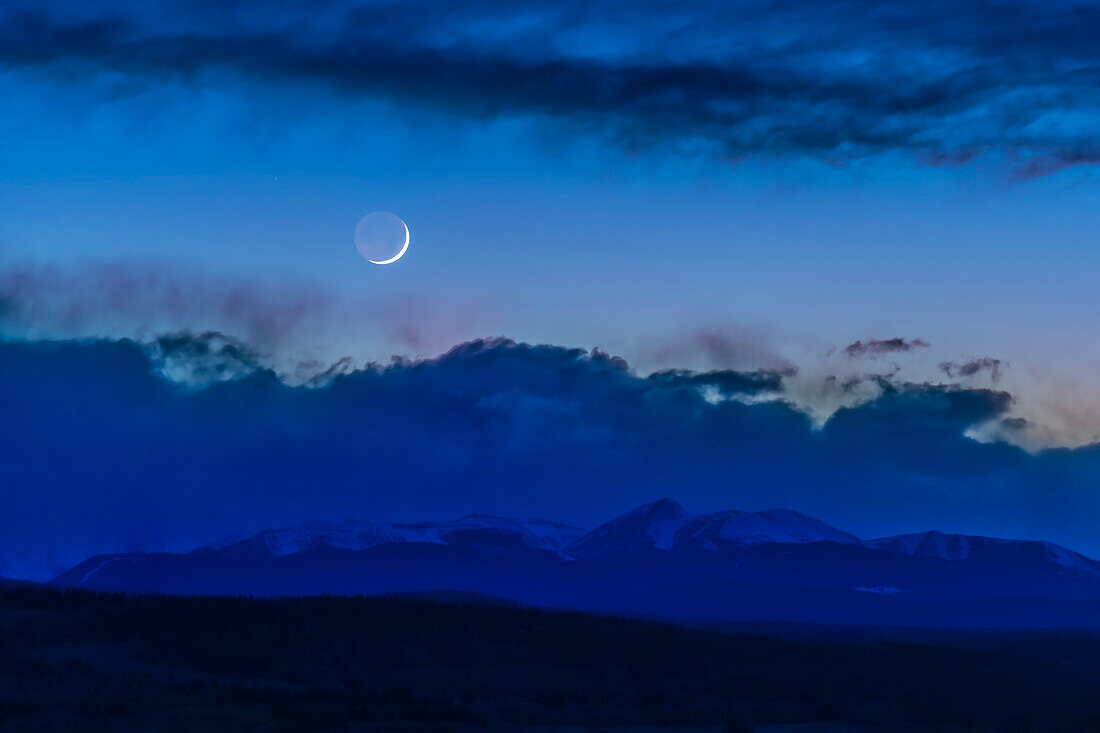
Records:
x=100, y=450
x=943, y=83
x=199, y=329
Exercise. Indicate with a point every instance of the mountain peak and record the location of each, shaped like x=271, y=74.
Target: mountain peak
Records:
x=647, y=527
x=660, y=510
x=664, y=525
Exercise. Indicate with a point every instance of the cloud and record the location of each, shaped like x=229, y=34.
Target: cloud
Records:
x=972, y=367
x=726, y=382
x=99, y=449
x=835, y=80
x=204, y=358
x=874, y=347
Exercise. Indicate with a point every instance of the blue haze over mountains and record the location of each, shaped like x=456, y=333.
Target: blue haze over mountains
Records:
x=109, y=450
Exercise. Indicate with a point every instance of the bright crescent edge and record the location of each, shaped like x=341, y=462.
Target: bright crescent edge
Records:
x=397, y=256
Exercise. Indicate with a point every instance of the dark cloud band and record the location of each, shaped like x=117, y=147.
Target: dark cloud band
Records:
x=874, y=347
x=835, y=80
x=973, y=367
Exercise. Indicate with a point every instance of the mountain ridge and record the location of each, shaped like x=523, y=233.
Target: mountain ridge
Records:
x=656, y=559
x=351, y=534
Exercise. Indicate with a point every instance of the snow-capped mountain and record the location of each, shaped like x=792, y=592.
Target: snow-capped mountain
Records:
x=655, y=560
x=664, y=525
x=533, y=534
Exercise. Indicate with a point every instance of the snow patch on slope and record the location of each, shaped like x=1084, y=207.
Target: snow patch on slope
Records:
x=102, y=565
x=737, y=528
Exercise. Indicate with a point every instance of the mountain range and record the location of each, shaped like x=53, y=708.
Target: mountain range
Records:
x=656, y=560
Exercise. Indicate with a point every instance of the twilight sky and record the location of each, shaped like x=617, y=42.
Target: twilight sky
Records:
x=858, y=197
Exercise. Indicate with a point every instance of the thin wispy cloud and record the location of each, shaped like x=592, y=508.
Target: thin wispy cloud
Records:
x=284, y=323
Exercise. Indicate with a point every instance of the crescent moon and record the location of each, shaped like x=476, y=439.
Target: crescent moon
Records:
x=397, y=256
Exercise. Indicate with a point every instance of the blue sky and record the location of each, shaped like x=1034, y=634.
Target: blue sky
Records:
x=522, y=229
x=736, y=186
x=613, y=175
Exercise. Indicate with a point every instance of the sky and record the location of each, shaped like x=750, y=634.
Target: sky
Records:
x=871, y=201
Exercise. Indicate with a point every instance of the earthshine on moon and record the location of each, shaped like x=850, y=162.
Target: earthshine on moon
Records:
x=381, y=237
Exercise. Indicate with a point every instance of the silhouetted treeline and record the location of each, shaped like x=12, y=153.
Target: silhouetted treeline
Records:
x=337, y=663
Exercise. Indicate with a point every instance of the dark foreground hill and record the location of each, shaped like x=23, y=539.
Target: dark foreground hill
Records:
x=107, y=662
